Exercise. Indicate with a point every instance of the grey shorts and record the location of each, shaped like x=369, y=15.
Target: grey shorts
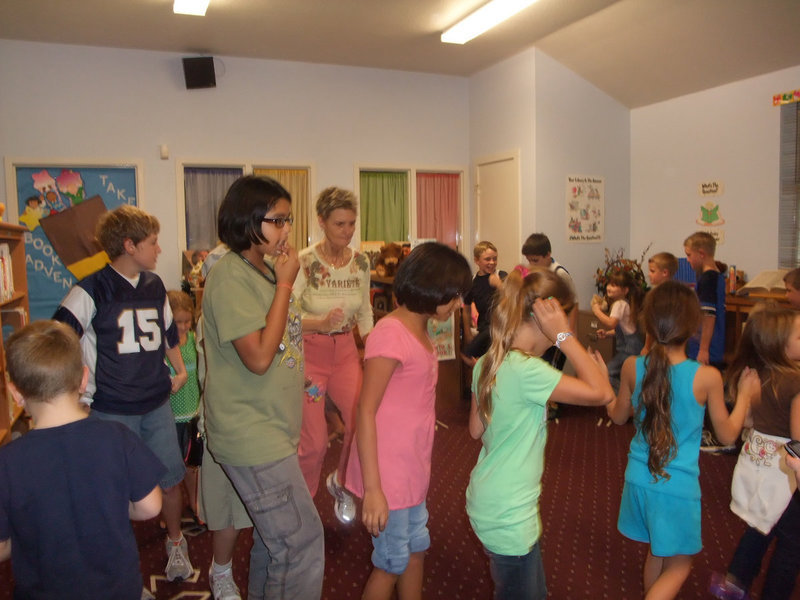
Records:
x=218, y=503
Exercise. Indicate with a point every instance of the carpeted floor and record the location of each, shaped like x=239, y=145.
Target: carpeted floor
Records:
x=584, y=555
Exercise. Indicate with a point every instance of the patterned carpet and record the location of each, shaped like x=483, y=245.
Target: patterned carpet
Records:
x=584, y=555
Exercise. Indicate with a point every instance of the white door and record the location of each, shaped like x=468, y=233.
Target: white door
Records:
x=499, y=208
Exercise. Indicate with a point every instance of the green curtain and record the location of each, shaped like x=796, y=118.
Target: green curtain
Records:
x=384, y=206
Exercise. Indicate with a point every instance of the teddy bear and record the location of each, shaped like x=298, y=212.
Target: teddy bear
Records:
x=388, y=260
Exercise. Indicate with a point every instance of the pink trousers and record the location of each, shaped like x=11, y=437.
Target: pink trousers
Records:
x=333, y=366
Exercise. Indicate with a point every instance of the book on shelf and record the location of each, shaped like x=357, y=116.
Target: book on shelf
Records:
x=6, y=274
x=768, y=283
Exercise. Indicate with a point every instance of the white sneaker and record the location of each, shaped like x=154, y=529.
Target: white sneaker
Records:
x=344, y=506
x=223, y=587
x=178, y=565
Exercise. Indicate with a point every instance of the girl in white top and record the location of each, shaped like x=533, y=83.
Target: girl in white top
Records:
x=333, y=290
x=625, y=297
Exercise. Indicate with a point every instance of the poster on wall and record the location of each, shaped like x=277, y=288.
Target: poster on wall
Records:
x=709, y=216
x=442, y=336
x=59, y=204
x=585, y=196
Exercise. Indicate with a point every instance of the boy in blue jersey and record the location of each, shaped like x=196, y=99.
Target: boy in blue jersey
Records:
x=123, y=318
x=69, y=488
x=707, y=347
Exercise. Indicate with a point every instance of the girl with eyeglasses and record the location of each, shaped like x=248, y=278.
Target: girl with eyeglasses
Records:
x=254, y=386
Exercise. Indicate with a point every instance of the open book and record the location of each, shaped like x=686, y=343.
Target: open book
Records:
x=766, y=282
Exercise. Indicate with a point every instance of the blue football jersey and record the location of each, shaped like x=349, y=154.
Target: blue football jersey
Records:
x=123, y=330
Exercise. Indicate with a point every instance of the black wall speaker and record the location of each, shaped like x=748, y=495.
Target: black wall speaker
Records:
x=199, y=72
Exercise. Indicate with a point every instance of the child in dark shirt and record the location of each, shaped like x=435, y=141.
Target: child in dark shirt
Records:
x=707, y=347
x=484, y=285
x=69, y=488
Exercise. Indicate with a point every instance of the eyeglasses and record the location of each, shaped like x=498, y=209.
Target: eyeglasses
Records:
x=279, y=222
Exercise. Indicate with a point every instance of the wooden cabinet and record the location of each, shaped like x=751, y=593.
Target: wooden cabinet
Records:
x=14, y=313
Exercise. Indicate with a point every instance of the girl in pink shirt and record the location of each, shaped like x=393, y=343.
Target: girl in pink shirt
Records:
x=395, y=423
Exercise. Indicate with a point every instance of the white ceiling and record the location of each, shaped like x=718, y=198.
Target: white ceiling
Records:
x=637, y=51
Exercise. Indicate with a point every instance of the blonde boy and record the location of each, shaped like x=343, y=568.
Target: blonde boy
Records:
x=487, y=279
x=69, y=488
x=662, y=267
x=708, y=347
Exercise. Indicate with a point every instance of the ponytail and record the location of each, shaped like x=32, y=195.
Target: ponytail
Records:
x=671, y=315
x=513, y=306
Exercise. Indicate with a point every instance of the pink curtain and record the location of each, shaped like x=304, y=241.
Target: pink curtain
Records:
x=438, y=196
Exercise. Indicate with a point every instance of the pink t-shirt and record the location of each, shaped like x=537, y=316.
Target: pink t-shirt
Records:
x=405, y=419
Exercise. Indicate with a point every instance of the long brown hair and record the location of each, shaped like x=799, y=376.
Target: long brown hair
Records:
x=762, y=346
x=513, y=307
x=671, y=315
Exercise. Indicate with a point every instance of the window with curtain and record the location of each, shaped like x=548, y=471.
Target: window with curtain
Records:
x=384, y=206
x=296, y=183
x=789, y=190
x=204, y=189
x=438, y=201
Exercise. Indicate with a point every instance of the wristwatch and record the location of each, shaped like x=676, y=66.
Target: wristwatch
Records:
x=561, y=337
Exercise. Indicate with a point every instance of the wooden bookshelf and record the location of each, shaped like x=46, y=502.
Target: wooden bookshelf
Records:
x=14, y=313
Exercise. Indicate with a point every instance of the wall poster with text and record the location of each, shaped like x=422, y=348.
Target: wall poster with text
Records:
x=60, y=204
x=585, y=197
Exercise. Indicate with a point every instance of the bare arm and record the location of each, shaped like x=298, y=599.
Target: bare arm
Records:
x=605, y=320
x=794, y=418
x=706, y=333
x=146, y=508
x=476, y=427
x=621, y=408
x=466, y=320
x=591, y=386
x=377, y=373
x=791, y=461
x=176, y=360
x=5, y=549
x=258, y=348
x=728, y=426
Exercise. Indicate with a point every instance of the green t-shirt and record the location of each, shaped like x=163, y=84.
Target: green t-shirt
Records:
x=249, y=419
x=504, y=487
x=186, y=401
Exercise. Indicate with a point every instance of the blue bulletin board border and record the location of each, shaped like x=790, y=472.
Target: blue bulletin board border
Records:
x=59, y=185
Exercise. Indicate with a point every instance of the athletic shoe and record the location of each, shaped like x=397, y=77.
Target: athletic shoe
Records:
x=709, y=443
x=146, y=595
x=723, y=589
x=223, y=587
x=178, y=565
x=345, y=506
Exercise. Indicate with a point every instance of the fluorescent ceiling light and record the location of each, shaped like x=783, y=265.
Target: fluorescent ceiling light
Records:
x=483, y=19
x=190, y=7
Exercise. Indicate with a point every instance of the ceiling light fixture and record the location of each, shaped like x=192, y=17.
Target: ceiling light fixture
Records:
x=190, y=7
x=483, y=19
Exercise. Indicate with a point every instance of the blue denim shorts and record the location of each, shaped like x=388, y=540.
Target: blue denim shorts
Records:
x=406, y=533
x=157, y=430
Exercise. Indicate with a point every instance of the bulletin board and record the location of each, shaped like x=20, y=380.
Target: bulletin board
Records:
x=59, y=203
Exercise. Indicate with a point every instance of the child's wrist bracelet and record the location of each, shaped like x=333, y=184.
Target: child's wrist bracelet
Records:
x=284, y=284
